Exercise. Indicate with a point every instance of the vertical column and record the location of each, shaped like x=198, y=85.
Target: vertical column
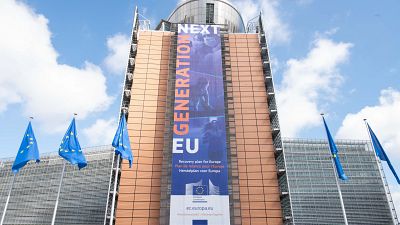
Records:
x=139, y=192
x=234, y=198
x=259, y=193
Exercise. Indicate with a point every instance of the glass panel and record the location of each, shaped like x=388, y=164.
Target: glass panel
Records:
x=209, y=13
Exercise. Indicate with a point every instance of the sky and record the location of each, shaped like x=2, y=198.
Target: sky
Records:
x=340, y=57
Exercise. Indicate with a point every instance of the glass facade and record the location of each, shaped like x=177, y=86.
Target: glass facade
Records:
x=199, y=11
x=83, y=197
x=313, y=191
x=210, y=13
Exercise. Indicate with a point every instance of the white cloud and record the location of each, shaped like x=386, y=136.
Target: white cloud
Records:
x=383, y=118
x=31, y=76
x=331, y=32
x=277, y=30
x=307, y=82
x=101, y=132
x=118, y=46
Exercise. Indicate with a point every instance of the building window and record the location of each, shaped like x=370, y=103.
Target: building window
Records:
x=210, y=13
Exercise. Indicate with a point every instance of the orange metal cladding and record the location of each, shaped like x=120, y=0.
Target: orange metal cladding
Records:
x=258, y=183
x=139, y=195
x=139, y=190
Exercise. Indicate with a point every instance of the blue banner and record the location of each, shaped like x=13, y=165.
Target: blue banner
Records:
x=199, y=190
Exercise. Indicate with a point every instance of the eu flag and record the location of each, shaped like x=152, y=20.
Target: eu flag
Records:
x=200, y=190
x=381, y=153
x=121, y=141
x=27, y=151
x=334, y=151
x=70, y=149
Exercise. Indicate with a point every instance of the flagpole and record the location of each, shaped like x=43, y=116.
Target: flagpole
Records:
x=114, y=191
x=338, y=186
x=58, y=194
x=8, y=199
x=340, y=193
x=380, y=171
x=109, y=189
x=59, y=189
x=3, y=216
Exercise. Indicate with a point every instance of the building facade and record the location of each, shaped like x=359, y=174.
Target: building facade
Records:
x=83, y=197
x=258, y=187
x=254, y=177
x=251, y=125
x=314, y=195
x=307, y=174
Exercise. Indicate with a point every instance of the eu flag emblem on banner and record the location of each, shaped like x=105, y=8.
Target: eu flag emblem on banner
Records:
x=334, y=151
x=70, y=149
x=121, y=141
x=200, y=190
x=199, y=222
x=381, y=153
x=27, y=151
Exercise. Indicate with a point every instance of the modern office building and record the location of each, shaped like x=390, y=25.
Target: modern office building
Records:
x=205, y=135
x=83, y=197
x=200, y=69
x=307, y=174
x=314, y=199
x=199, y=94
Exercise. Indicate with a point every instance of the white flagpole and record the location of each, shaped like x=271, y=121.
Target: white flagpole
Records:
x=9, y=193
x=8, y=199
x=380, y=172
x=340, y=194
x=337, y=184
x=58, y=194
x=114, y=191
x=109, y=189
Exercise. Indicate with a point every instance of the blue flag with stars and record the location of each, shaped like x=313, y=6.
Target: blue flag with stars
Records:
x=381, y=153
x=121, y=141
x=334, y=151
x=27, y=151
x=70, y=149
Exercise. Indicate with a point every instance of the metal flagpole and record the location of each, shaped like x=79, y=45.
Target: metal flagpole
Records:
x=114, y=191
x=109, y=189
x=380, y=172
x=9, y=193
x=340, y=194
x=58, y=194
x=8, y=199
x=337, y=184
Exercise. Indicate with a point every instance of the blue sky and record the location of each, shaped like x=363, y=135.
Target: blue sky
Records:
x=338, y=57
